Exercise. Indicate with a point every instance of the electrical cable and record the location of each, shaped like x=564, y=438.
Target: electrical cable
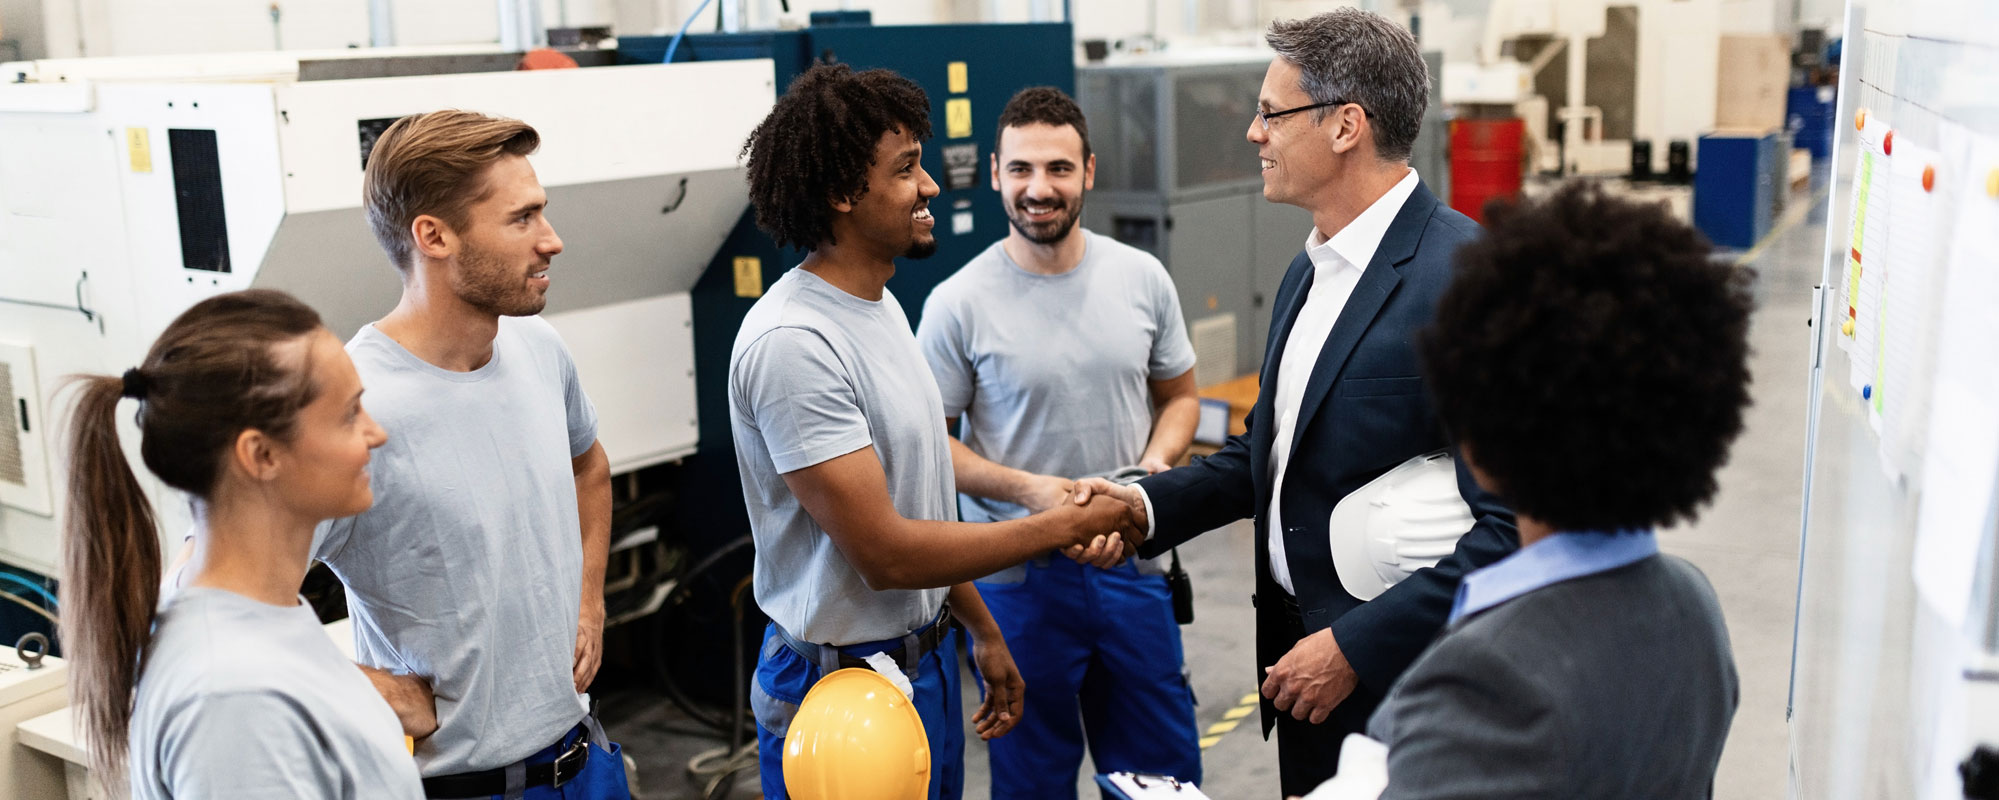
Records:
x=23, y=602
x=38, y=588
x=673, y=692
x=675, y=44
x=724, y=762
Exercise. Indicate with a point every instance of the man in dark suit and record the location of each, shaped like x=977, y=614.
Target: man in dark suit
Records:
x=1342, y=400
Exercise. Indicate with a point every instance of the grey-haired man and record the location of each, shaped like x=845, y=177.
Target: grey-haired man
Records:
x=1342, y=397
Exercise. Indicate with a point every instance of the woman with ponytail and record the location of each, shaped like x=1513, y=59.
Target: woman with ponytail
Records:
x=232, y=690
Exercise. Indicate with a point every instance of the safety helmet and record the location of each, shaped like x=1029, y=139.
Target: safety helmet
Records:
x=856, y=737
x=1408, y=518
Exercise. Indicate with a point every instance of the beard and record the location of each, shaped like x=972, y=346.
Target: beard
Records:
x=494, y=286
x=921, y=248
x=1049, y=232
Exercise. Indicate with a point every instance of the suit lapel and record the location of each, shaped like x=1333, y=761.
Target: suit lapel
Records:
x=1377, y=282
x=1288, y=307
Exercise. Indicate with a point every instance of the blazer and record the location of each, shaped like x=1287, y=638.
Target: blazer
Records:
x=1614, y=685
x=1364, y=411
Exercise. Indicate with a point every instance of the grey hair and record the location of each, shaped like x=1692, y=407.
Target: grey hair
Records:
x=1360, y=57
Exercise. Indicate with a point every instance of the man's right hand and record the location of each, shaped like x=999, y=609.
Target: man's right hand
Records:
x=409, y=696
x=1112, y=548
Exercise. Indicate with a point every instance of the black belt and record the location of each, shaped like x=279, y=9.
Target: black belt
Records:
x=906, y=655
x=490, y=782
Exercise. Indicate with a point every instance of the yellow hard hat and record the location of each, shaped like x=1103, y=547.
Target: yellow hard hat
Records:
x=856, y=737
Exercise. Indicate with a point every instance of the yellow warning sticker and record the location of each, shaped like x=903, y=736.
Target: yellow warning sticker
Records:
x=749, y=276
x=139, y=146
x=958, y=77
x=958, y=118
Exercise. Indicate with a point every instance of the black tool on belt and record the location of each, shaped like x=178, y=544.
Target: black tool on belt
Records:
x=1182, y=587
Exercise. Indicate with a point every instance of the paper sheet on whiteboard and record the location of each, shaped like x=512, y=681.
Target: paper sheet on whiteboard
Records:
x=1919, y=225
x=1866, y=271
x=1961, y=460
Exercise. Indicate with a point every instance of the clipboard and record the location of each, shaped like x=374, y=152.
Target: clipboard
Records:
x=1134, y=786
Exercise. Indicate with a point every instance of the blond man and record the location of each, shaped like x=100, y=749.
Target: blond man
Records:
x=476, y=581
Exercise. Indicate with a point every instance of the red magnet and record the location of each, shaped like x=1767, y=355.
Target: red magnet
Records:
x=1929, y=177
x=1888, y=144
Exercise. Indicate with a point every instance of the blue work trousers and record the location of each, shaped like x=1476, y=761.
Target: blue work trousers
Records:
x=783, y=677
x=1100, y=653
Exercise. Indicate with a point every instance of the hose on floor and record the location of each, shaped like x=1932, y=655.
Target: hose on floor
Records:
x=722, y=764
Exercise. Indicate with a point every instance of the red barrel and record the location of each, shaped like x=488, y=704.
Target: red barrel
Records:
x=1485, y=162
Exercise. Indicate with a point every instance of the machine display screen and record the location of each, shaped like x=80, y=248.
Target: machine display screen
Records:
x=204, y=229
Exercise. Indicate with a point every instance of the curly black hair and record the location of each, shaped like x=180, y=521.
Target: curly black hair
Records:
x=1592, y=357
x=1046, y=105
x=818, y=143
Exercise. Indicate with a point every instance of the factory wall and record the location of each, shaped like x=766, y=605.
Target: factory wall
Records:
x=72, y=28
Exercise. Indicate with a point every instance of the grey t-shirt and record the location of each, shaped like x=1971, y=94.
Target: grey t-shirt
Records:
x=1048, y=373
x=242, y=699
x=469, y=568
x=818, y=373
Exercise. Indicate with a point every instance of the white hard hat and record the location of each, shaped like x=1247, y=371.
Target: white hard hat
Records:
x=1408, y=518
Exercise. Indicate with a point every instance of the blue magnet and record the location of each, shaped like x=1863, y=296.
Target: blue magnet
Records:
x=1867, y=392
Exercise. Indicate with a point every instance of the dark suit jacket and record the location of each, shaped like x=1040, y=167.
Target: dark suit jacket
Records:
x=1614, y=685
x=1364, y=411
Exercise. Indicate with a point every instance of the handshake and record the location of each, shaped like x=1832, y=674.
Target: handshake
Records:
x=1106, y=521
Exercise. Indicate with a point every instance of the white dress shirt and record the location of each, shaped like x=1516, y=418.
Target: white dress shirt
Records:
x=1337, y=264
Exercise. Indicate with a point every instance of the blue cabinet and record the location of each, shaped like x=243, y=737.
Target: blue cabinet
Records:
x=1738, y=186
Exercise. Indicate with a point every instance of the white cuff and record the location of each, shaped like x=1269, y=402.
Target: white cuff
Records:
x=1151, y=522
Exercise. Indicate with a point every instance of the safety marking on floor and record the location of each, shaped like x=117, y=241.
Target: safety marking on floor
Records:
x=1230, y=720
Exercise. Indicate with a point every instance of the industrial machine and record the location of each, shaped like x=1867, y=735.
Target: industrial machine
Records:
x=1591, y=76
x=132, y=188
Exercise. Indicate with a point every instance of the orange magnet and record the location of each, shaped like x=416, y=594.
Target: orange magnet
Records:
x=1929, y=177
x=1888, y=144
x=1860, y=120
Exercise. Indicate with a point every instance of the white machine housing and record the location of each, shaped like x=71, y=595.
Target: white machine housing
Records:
x=640, y=164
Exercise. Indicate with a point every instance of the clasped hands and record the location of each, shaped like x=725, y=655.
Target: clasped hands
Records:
x=1112, y=521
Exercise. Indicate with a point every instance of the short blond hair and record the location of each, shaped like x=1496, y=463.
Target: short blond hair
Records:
x=432, y=164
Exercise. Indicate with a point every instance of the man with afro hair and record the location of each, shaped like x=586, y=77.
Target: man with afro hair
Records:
x=845, y=462
x=1591, y=361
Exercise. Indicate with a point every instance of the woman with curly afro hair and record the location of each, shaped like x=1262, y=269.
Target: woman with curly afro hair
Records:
x=1591, y=360
x=839, y=430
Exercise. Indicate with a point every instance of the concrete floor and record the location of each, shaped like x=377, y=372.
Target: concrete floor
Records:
x=1747, y=543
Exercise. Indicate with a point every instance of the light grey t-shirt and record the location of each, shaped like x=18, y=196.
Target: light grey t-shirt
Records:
x=1048, y=373
x=242, y=699
x=469, y=569
x=818, y=373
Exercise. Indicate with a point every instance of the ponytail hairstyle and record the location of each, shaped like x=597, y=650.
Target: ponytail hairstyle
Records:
x=214, y=373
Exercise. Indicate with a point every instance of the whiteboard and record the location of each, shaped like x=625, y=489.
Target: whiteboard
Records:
x=1892, y=679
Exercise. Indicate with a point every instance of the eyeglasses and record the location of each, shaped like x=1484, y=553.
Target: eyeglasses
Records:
x=1267, y=116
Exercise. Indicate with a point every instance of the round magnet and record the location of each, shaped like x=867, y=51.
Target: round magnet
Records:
x=1992, y=183
x=1860, y=120
x=1867, y=392
x=1929, y=177
x=1846, y=327
x=1888, y=143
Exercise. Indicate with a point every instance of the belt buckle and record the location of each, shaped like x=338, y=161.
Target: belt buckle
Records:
x=579, y=754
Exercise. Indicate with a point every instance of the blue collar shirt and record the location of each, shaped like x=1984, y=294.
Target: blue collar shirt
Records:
x=1560, y=557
